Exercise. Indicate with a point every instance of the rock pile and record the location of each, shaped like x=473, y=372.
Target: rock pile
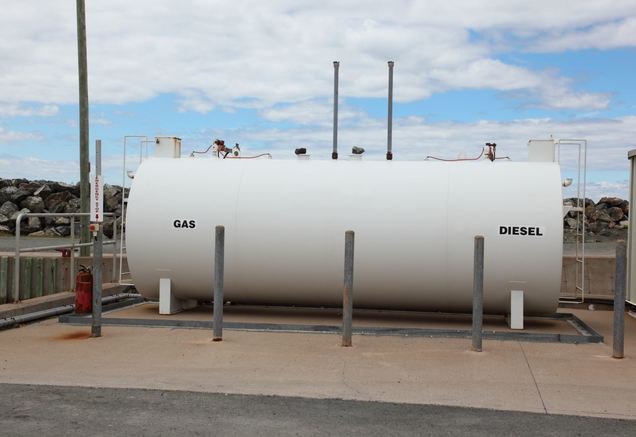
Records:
x=24, y=196
x=606, y=220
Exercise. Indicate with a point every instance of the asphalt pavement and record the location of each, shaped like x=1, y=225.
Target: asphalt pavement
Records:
x=27, y=410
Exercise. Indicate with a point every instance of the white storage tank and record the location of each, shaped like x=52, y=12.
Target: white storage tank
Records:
x=285, y=223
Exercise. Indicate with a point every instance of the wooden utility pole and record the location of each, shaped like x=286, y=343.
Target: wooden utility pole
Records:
x=83, y=116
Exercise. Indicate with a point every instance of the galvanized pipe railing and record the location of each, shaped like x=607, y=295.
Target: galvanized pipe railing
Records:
x=72, y=245
x=389, y=133
x=336, y=67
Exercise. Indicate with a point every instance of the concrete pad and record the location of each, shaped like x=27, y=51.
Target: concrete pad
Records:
x=552, y=378
x=400, y=370
x=589, y=381
x=333, y=317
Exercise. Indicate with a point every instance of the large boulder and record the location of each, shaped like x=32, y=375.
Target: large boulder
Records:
x=62, y=221
x=603, y=216
x=20, y=194
x=17, y=213
x=43, y=191
x=60, y=187
x=573, y=201
x=570, y=222
x=108, y=226
x=615, y=213
x=6, y=193
x=33, y=224
x=34, y=203
x=112, y=198
x=611, y=201
x=600, y=228
x=30, y=187
x=63, y=231
x=5, y=230
x=73, y=206
x=8, y=208
x=57, y=202
x=4, y=220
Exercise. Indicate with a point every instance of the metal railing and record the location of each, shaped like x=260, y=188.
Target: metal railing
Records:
x=579, y=209
x=141, y=140
x=72, y=245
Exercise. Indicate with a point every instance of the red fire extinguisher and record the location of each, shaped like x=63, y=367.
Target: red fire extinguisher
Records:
x=84, y=291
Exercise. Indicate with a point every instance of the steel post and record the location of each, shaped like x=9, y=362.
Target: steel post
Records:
x=478, y=293
x=4, y=279
x=219, y=262
x=336, y=68
x=347, y=293
x=16, y=261
x=619, y=300
x=71, y=261
x=113, y=272
x=96, y=328
x=389, y=134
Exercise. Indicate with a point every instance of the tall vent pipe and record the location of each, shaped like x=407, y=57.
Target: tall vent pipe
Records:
x=336, y=66
x=389, y=134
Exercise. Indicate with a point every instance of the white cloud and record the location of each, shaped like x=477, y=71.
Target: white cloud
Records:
x=103, y=121
x=18, y=110
x=259, y=54
x=596, y=190
x=615, y=34
x=415, y=138
x=9, y=135
x=313, y=112
x=36, y=168
x=64, y=170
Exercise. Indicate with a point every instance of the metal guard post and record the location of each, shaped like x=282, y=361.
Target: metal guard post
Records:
x=347, y=294
x=219, y=265
x=619, y=301
x=478, y=293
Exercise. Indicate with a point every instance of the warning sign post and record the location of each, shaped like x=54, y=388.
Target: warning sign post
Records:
x=97, y=217
x=97, y=199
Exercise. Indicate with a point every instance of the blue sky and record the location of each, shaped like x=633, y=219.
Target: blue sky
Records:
x=260, y=73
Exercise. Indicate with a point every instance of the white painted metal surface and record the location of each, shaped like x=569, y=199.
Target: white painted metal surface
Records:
x=167, y=147
x=541, y=150
x=515, y=318
x=285, y=223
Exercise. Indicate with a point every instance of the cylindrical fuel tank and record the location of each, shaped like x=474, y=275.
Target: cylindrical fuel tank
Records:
x=285, y=222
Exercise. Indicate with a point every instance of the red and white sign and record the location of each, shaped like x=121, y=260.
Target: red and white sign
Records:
x=97, y=200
